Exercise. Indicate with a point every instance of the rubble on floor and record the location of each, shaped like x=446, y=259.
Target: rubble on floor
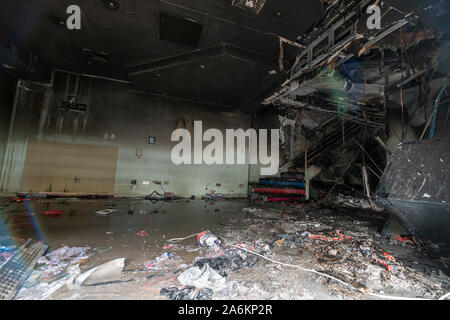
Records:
x=7, y=249
x=265, y=251
x=352, y=261
x=341, y=246
x=53, y=271
x=187, y=293
x=349, y=201
x=18, y=267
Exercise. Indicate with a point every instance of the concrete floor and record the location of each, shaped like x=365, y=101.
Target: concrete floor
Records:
x=80, y=226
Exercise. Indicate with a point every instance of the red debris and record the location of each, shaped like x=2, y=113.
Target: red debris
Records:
x=388, y=257
x=384, y=264
x=268, y=199
x=386, y=261
x=142, y=233
x=278, y=191
x=52, y=213
x=19, y=199
x=403, y=239
x=199, y=235
x=340, y=238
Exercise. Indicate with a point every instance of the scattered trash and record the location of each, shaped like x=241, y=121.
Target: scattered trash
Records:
x=214, y=196
x=205, y=277
x=339, y=237
x=306, y=234
x=286, y=239
x=349, y=201
x=168, y=246
x=4, y=256
x=401, y=239
x=18, y=267
x=332, y=252
x=102, y=250
x=311, y=236
x=156, y=196
x=281, y=199
x=58, y=260
x=20, y=198
x=365, y=251
x=105, y=273
x=386, y=261
x=6, y=244
x=232, y=260
x=142, y=233
x=388, y=257
x=34, y=289
x=206, y=238
x=159, y=262
x=105, y=212
x=170, y=196
x=187, y=293
x=336, y=242
x=6, y=251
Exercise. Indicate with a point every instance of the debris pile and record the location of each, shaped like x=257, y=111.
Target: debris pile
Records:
x=354, y=253
x=272, y=251
x=53, y=271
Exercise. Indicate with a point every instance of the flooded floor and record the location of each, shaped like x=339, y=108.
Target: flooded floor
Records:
x=136, y=229
x=340, y=243
x=80, y=225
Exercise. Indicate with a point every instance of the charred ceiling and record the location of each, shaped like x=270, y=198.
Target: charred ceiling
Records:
x=355, y=92
x=118, y=34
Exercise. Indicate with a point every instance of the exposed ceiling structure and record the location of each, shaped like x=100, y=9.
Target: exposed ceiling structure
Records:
x=355, y=92
x=216, y=51
x=350, y=80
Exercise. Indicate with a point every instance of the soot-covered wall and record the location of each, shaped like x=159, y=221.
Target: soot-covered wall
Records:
x=7, y=91
x=119, y=117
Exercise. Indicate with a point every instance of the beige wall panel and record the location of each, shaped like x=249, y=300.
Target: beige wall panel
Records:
x=54, y=167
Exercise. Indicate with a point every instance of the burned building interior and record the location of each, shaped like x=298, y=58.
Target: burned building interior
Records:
x=138, y=140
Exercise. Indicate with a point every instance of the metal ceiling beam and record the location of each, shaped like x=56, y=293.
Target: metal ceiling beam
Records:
x=198, y=56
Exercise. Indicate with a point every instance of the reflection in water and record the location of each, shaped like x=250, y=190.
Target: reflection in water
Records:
x=79, y=225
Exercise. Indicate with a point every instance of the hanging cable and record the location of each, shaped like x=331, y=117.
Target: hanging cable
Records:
x=436, y=106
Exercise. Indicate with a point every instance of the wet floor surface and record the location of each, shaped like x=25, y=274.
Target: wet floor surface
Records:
x=138, y=230
x=80, y=225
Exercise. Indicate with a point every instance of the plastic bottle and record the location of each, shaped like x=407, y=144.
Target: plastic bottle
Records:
x=207, y=238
